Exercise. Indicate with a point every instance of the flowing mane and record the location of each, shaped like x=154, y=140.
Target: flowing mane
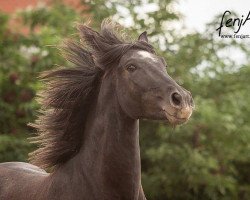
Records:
x=68, y=92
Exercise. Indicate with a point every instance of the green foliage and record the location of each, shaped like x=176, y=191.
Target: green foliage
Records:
x=23, y=56
x=14, y=96
x=14, y=148
x=207, y=158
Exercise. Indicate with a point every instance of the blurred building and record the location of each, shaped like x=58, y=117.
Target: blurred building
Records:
x=10, y=6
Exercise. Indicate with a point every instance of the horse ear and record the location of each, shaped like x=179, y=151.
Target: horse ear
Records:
x=90, y=36
x=143, y=37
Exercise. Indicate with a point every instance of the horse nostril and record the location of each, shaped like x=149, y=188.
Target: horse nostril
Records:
x=176, y=99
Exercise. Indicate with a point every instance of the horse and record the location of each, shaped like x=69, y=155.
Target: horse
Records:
x=87, y=129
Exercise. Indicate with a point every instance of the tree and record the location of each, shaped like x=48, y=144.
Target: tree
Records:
x=22, y=57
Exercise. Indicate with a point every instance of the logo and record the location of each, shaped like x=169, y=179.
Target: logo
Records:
x=233, y=24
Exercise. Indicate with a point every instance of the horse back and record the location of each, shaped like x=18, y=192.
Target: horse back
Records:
x=19, y=181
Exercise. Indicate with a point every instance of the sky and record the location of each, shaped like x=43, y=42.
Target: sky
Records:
x=199, y=12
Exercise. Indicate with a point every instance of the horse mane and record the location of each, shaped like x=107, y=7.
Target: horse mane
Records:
x=68, y=92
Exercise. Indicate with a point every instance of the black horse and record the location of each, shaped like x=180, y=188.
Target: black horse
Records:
x=88, y=127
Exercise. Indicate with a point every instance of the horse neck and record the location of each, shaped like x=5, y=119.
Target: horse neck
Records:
x=109, y=159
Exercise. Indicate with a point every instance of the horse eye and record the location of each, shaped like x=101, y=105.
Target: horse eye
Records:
x=131, y=68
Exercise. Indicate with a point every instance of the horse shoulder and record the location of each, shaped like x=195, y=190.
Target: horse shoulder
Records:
x=17, y=180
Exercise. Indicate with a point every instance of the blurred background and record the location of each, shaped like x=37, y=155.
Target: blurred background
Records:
x=207, y=158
